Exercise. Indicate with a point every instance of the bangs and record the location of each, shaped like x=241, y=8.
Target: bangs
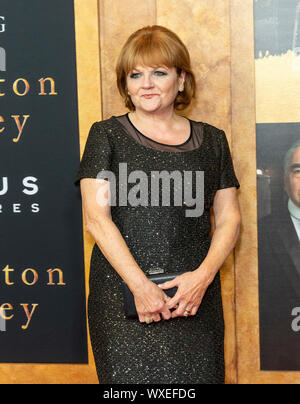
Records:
x=150, y=53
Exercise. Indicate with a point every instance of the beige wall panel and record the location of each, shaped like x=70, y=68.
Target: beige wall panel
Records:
x=204, y=27
x=244, y=151
x=86, y=27
x=277, y=88
x=118, y=19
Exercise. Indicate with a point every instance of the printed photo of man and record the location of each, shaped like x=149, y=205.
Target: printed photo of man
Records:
x=279, y=274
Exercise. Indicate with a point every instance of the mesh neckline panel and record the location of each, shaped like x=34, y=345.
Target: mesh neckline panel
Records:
x=194, y=142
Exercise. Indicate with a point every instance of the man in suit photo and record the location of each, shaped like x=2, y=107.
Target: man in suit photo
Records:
x=279, y=274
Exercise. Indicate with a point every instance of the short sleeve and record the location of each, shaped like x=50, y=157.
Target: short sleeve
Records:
x=96, y=156
x=227, y=176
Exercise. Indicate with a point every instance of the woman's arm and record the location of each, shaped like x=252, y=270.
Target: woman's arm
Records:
x=227, y=228
x=193, y=285
x=149, y=299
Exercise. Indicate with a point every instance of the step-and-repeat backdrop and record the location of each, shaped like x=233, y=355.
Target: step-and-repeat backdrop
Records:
x=42, y=287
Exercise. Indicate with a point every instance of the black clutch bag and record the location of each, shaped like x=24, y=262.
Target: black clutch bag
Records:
x=129, y=306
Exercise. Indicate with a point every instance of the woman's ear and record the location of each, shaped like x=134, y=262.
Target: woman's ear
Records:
x=182, y=80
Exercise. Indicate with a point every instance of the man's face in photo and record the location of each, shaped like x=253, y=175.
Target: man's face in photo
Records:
x=292, y=179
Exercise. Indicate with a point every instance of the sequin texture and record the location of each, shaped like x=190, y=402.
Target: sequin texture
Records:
x=180, y=350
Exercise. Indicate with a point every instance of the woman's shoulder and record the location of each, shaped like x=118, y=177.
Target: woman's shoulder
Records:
x=104, y=124
x=208, y=127
x=106, y=128
x=213, y=137
x=210, y=133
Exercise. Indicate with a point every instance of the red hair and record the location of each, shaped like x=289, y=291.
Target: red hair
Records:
x=155, y=46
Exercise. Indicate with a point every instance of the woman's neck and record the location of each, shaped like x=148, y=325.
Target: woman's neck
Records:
x=164, y=120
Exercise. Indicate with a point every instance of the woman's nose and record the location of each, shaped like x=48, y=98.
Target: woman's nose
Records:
x=147, y=82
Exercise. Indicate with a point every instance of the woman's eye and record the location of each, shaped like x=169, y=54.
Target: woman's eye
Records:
x=134, y=75
x=160, y=73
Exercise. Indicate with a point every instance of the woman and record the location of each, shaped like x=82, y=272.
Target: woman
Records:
x=178, y=339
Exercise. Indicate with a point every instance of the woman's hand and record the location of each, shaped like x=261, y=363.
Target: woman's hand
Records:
x=191, y=289
x=150, y=303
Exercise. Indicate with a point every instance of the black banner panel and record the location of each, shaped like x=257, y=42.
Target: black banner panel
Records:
x=42, y=286
x=277, y=42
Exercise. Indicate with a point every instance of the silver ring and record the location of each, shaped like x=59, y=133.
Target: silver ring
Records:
x=186, y=313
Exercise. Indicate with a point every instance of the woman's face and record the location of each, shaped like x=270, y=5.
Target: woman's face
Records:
x=154, y=89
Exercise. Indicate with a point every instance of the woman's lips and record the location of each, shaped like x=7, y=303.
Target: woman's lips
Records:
x=148, y=96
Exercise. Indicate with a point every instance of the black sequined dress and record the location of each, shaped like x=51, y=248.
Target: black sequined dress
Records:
x=180, y=350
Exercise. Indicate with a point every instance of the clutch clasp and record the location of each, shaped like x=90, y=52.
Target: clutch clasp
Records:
x=156, y=271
